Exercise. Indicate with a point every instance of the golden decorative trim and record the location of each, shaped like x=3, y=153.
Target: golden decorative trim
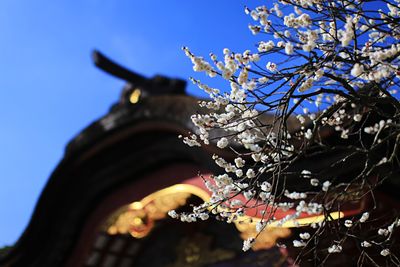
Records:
x=135, y=96
x=138, y=217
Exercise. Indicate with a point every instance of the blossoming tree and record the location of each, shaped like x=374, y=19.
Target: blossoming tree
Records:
x=333, y=68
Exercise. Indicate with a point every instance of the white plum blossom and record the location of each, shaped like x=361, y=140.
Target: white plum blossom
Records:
x=236, y=203
x=357, y=70
x=262, y=80
x=266, y=46
x=364, y=217
x=265, y=186
x=348, y=33
x=357, y=117
x=335, y=249
x=191, y=141
x=326, y=185
x=385, y=252
x=383, y=232
x=260, y=226
x=248, y=243
x=306, y=85
x=222, y=143
x=320, y=74
x=204, y=216
x=271, y=66
x=305, y=235
x=348, y=223
x=299, y=243
x=382, y=161
x=365, y=244
x=289, y=48
x=249, y=194
x=292, y=21
x=250, y=173
x=314, y=182
x=239, y=173
x=295, y=195
x=173, y=214
x=308, y=134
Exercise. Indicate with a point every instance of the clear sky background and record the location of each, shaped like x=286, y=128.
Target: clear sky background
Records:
x=50, y=90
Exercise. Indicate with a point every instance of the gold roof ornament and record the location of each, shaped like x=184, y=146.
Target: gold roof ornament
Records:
x=138, y=218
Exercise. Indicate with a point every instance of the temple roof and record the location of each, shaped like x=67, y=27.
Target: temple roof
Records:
x=137, y=137
x=132, y=140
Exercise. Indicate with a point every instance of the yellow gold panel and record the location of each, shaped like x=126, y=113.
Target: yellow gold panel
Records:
x=135, y=96
x=138, y=217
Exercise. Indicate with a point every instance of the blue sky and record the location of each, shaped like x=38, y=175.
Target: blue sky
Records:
x=49, y=89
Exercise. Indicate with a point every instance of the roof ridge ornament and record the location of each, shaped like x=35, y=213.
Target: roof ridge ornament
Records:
x=137, y=84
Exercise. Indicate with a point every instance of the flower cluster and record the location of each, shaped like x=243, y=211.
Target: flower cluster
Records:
x=322, y=68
